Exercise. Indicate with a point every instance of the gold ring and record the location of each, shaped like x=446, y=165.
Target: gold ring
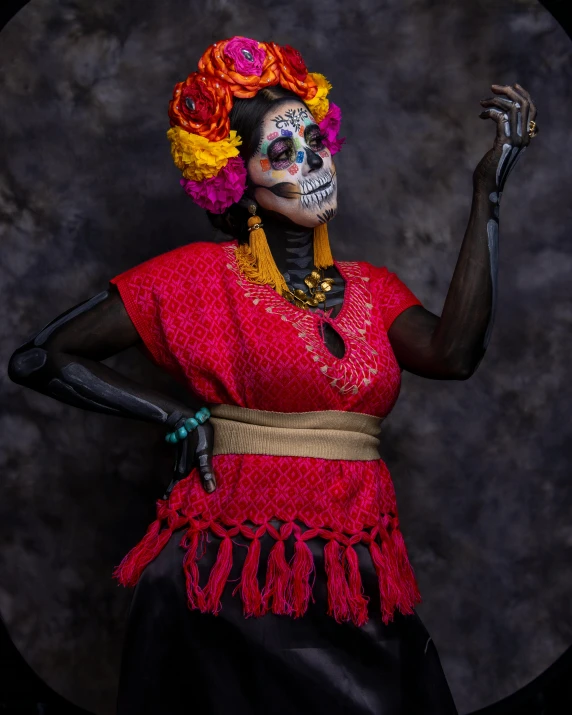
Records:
x=532, y=128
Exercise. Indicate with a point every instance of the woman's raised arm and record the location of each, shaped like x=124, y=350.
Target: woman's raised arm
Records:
x=63, y=361
x=452, y=346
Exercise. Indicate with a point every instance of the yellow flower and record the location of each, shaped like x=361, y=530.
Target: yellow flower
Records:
x=197, y=157
x=319, y=105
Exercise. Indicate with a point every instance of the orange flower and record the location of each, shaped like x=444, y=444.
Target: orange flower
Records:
x=293, y=72
x=232, y=66
x=201, y=105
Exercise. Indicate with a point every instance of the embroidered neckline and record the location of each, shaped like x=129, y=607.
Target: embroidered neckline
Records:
x=349, y=373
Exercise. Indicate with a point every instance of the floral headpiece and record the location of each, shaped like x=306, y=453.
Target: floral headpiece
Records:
x=203, y=146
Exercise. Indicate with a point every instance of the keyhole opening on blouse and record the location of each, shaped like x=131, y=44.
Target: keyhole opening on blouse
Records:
x=332, y=340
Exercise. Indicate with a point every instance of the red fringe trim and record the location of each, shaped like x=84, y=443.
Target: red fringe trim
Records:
x=409, y=591
x=357, y=602
x=195, y=595
x=338, y=591
x=287, y=590
x=158, y=534
x=302, y=568
x=248, y=586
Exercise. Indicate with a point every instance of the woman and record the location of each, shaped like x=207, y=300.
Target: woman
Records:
x=275, y=575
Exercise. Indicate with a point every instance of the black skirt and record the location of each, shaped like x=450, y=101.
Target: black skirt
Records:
x=181, y=661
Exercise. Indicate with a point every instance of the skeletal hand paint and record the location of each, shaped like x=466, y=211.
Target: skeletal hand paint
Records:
x=292, y=171
x=512, y=110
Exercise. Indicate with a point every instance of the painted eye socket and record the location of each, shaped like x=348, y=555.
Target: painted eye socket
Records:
x=316, y=141
x=281, y=154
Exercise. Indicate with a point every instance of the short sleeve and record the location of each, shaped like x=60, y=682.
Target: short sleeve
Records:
x=148, y=292
x=394, y=296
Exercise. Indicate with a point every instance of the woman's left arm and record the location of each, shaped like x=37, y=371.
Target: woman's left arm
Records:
x=451, y=347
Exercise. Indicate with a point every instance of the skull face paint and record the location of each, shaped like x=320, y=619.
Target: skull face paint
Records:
x=292, y=170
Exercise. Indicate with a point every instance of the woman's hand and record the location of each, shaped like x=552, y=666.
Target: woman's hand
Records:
x=196, y=451
x=513, y=110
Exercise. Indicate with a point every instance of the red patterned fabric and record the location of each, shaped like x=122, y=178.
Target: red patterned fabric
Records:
x=230, y=341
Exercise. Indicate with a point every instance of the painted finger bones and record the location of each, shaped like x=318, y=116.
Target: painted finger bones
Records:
x=513, y=109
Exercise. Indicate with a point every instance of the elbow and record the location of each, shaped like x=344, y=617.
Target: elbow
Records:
x=453, y=366
x=25, y=363
x=464, y=373
x=457, y=367
x=465, y=370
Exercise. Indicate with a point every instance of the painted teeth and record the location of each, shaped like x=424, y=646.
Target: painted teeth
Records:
x=313, y=184
x=318, y=197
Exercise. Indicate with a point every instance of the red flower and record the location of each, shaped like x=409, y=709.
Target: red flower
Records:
x=198, y=104
x=293, y=72
x=297, y=65
x=201, y=105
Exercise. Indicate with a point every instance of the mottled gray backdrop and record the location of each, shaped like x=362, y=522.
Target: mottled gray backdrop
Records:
x=88, y=189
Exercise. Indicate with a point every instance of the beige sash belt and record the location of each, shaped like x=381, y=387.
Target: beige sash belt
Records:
x=327, y=434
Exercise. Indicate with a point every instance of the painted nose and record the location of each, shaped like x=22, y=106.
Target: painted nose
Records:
x=314, y=161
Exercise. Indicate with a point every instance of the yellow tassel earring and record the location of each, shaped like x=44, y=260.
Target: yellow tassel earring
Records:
x=322, y=253
x=255, y=258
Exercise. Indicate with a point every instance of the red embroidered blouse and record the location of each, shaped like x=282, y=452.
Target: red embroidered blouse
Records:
x=233, y=342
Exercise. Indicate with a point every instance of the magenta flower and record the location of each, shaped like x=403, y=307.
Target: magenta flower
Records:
x=221, y=191
x=330, y=127
x=247, y=56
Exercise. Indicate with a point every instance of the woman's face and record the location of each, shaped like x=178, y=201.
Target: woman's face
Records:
x=292, y=171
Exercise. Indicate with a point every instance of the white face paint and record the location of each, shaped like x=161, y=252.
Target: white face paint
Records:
x=292, y=160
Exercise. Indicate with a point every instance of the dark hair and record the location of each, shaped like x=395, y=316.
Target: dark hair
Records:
x=246, y=118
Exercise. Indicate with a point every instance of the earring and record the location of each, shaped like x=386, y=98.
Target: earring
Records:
x=322, y=252
x=255, y=258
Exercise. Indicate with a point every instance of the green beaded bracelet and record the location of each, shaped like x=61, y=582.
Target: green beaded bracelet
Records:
x=191, y=423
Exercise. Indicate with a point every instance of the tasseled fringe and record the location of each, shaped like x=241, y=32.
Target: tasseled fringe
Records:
x=278, y=587
x=322, y=252
x=409, y=587
x=248, y=586
x=357, y=602
x=302, y=568
x=278, y=578
x=255, y=259
x=346, y=600
x=397, y=586
x=218, y=576
x=195, y=595
x=338, y=591
x=287, y=590
x=158, y=534
x=383, y=566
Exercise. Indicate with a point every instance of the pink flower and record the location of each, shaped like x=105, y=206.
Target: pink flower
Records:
x=248, y=57
x=221, y=191
x=330, y=127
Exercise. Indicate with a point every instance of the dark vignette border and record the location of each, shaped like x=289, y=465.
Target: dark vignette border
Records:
x=23, y=692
